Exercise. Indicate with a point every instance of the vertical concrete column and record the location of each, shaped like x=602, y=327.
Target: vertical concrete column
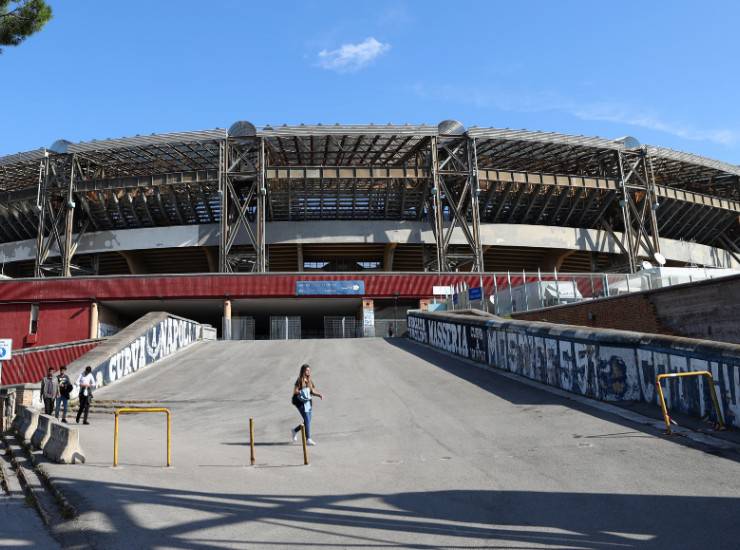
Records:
x=94, y=320
x=368, y=317
x=227, y=320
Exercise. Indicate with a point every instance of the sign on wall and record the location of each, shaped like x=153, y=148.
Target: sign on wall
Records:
x=330, y=288
x=6, y=349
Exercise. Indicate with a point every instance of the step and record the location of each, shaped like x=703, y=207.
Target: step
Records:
x=32, y=484
x=9, y=482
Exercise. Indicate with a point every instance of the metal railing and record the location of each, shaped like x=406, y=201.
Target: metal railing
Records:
x=504, y=293
x=139, y=410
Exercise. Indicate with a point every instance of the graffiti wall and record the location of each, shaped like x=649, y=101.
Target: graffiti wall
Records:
x=158, y=341
x=609, y=365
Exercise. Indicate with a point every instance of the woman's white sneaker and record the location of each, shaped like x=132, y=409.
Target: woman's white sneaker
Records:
x=311, y=442
x=294, y=435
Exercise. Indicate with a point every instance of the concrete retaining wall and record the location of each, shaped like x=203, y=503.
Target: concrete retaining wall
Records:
x=151, y=338
x=25, y=423
x=63, y=445
x=610, y=365
x=43, y=431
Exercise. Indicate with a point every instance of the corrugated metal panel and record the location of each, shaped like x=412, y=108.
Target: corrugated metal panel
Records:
x=404, y=285
x=544, y=137
x=21, y=158
x=690, y=158
x=29, y=366
x=153, y=139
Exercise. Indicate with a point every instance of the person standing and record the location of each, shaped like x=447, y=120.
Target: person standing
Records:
x=303, y=391
x=65, y=390
x=86, y=382
x=49, y=391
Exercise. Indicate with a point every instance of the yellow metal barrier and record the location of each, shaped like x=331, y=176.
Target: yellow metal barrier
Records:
x=138, y=410
x=712, y=392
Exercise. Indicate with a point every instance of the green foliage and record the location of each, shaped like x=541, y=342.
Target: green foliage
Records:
x=19, y=19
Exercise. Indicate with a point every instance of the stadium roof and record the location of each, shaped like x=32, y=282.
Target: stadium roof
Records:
x=376, y=145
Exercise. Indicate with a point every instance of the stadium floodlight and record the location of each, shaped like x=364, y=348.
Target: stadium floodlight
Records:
x=659, y=258
x=242, y=129
x=60, y=146
x=629, y=142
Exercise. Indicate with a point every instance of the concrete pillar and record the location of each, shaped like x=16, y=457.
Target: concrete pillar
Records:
x=299, y=256
x=135, y=264
x=388, y=253
x=227, y=320
x=554, y=259
x=211, y=258
x=94, y=320
x=368, y=317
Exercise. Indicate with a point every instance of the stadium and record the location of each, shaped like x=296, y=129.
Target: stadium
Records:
x=294, y=231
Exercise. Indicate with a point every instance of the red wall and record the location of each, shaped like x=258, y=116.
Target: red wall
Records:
x=30, y=366
x=14, y=322
x=58, y=322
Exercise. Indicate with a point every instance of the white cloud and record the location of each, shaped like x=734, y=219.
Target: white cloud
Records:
x=607, y=111
x=349, y=58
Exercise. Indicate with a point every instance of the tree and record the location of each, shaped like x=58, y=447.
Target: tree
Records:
x=19, y=19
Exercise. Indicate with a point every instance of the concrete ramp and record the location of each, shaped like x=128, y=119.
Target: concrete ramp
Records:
x=415, y=449
x=150, y=339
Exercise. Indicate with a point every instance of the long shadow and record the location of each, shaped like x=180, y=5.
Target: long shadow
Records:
x=426, y=519
x=520, y=393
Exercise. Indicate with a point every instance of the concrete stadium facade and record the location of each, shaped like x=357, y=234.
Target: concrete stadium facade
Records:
x=358, y=200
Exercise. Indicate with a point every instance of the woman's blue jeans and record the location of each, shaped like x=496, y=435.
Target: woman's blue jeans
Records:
x=306, y=421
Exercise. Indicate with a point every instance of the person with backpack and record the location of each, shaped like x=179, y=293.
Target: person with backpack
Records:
x=86, y=382
x=65, y=390
x=49, y=391
x=303, y=392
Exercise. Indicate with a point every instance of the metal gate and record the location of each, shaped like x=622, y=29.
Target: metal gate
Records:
x=285, y=327
x=342, y=327
x=390, y=328
x=240, y=328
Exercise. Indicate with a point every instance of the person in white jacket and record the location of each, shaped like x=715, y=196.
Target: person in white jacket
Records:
x=303, y=391
x=86, y=382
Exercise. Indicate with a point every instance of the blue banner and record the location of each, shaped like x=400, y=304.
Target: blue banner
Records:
x=475, y=293
x=330, y=288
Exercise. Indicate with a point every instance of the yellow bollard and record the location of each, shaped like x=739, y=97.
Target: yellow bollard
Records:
x=115, y=442
x=305, y=448
x=251, y=442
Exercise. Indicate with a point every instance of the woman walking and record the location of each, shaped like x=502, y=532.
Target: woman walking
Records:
x=303, y=390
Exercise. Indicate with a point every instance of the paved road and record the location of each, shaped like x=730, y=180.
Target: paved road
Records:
x=415, y=450
x=21, y=527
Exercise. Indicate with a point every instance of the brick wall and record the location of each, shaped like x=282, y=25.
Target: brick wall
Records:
x=706, y=309
x=631, y=312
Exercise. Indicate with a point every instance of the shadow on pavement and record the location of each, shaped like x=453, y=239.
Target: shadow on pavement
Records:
x=433, y=519
x=519, y=393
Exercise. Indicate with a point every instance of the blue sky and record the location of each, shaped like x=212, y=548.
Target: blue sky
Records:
x=664, y=72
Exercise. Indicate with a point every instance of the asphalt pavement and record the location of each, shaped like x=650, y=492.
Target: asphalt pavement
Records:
x=415, y=450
